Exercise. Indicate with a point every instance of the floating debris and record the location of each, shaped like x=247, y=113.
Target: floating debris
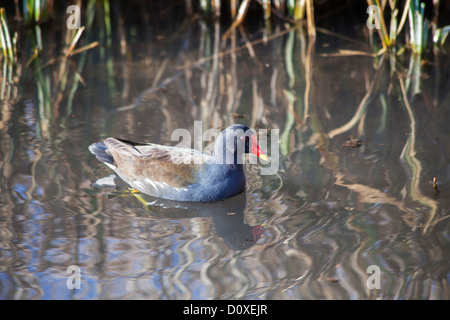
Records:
x=435, y=187
x=240, y=116
x=352, y=143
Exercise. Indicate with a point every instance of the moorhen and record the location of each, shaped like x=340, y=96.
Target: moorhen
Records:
x=179, y=173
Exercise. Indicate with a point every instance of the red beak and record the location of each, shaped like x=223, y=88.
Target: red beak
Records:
x=256, y=150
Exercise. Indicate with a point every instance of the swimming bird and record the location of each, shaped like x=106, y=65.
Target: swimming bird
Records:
x=182, y=174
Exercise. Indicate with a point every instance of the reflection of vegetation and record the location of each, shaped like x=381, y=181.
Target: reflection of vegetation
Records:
x=414, y=166
x=269, y=78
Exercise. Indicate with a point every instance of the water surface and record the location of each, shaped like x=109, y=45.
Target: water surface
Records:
x=310, y=231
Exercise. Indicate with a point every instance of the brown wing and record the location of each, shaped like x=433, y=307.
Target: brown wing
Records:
x=175, y=166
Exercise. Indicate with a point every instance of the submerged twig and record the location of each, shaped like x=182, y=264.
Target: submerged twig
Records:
x=75, y=40
x=345, y=53
x=65, y=56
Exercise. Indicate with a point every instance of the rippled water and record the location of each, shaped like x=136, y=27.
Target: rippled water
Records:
x=308, y=232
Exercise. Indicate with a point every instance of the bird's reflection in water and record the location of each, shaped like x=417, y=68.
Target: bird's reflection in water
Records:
x=227, y=215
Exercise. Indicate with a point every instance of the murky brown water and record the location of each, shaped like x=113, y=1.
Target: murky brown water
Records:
x=311, y=231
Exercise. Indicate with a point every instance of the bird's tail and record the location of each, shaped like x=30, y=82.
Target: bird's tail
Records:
x=99, y=149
